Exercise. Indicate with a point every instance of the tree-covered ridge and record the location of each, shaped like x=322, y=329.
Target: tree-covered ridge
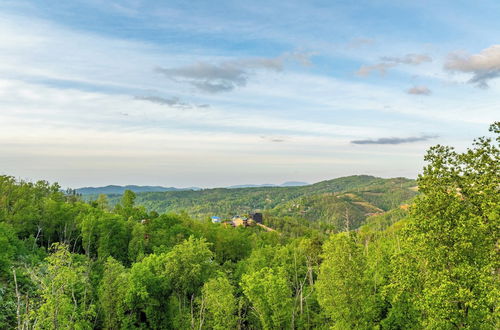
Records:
x=69, y=264
x=324, y=203
x=113, y=189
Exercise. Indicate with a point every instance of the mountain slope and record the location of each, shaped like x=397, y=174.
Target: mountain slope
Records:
x=323, y=202
x=340, y=211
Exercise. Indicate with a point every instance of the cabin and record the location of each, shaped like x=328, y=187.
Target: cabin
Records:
x=239, y=221
x=257, y=217
x=216, y=219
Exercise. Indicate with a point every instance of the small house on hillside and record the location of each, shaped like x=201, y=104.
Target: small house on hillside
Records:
x=257, y=217
x=240, y=221
x=216, y=219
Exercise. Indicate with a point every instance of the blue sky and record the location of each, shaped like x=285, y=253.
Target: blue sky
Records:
x=215, y=93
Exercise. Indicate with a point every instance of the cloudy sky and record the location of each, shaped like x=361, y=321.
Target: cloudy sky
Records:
x=214, y=93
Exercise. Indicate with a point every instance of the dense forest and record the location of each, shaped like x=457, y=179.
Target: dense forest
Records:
x=353, y=253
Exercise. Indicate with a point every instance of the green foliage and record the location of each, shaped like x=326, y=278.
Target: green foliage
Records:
x=112, y=296
x=65, y=292
x=450, y=259
x=103, y=235
x=126, y=208
x=218, y=305
x=138, y=243
x=188, y=266
x=344, y=291
x=270, y=296
x=166, y=231
x=149, y=292
x=8, y=247
x=102, y=202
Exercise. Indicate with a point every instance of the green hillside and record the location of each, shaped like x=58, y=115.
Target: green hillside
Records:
x=325, y=203
x=226, y=202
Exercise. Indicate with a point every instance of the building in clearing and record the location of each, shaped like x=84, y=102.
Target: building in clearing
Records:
x=216, y=219
x=257, y=217
x=239, y=221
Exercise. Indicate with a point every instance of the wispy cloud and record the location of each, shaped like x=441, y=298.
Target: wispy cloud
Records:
x=274, y=139
x=388, y=62
x=484, y=66
x=413, y=59
x=228, y=75
x=382, y=68
x=395, y=140
x=360, y=42
x=419, y=90
x=173, y=101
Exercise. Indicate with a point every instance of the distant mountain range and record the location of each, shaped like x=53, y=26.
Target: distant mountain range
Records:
x=285, y=184
x=114, y=189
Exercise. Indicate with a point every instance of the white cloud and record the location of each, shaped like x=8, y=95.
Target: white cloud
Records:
x=229, y=74
x=483, y=66
x=393, y=61
x=413, y=59
x=419, y=90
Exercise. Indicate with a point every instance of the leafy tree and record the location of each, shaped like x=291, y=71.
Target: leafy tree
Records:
x=344, y=292
x=112, y=296
x=65, y=292
x=188, y=266
x=102, y=202
x=229, y=244
x=270, y=296
x=149, y=292
x=166, y=231
x=138, y=242
x=127, y=207
x=8, y=247
x=104, y=234
x=449, y=260
x=218, y=304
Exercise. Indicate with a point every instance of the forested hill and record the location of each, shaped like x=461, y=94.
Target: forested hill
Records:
x=113, y=189
x=325, y=202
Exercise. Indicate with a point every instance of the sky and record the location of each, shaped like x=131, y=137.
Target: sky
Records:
x=217, y=93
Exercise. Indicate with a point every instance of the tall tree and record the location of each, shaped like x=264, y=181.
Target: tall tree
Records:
x=270, y=297
x=218, y=304
x=112, y=296
x=189, y=265
x=344, y=292
x=450, y=261
x=66, y=292
x=102, y=202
